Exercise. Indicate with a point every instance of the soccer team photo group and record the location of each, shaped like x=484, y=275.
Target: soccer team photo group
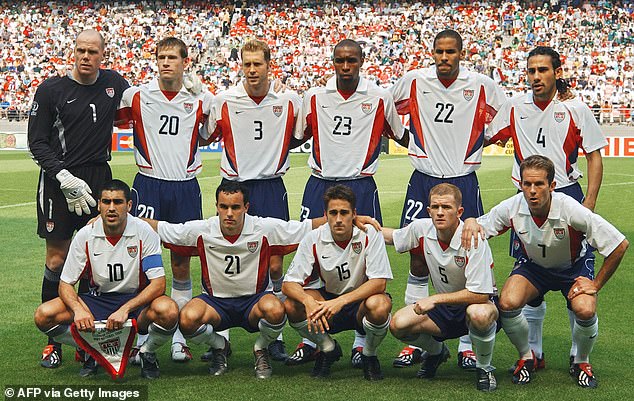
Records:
x=301, y=260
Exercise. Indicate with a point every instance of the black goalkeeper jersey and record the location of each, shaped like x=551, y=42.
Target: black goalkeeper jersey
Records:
x=71, y=124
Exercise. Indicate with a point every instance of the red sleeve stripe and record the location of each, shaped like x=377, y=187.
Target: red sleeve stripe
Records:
x=571, y=144
x=143, y=279
x=283, y=249
x=204, y=266
x=288, y=133
x=313, y=128
x=193, y=146
x=87, y=270
x=227, y=135
x=402, y=107
x=416, y=126
x=575, y=243
x=476, y=138
x=374, y=147
x=140, y=141
x=124, y=118
x=263, y=267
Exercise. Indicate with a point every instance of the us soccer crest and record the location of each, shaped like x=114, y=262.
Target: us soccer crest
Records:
x=110, y=92
x=277, y=110
x=188, y=107
x=468, y=94
x=560, y=233
x=110, y=348
x=50, y=226
x=252, y=246
x=559, y=116
x=460, y=261
x=366, y=107
x=356, y=247
x=133, y=251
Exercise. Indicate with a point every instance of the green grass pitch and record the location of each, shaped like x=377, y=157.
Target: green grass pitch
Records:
x=22, y=257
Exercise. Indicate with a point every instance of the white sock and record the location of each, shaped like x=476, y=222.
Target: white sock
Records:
x=417, y=288
x=157, y=336
x=181, y=294
x=308, y=342
x=484, y=342
x=359, y=340
x=573, y=346
x=585, y=334
x=427, y=342
x=535, y=319
x=224, y=333
x=374, y=334
x=206, y=335
x=516, y=329
x=268, y=333
x=61, y=334
x=140, y=339
x=465, y=344
x=323, y=341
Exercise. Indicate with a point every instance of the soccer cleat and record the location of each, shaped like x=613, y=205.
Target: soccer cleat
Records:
x=277, y=351
x=585, y=377
x=206, y=357
x=263, y=368
x=540, y=363
x=134, y=357
x=149, y=365
x=485, y=381
x=325, y=360
x=218, y=362
x=467, y=360
x=355, y=358
x=429, y=366
x=409, y=356
x=89, y=368
x=523, y=370
x=181, y=352
x=51, y=357
x=304, y=353
x=371, y=368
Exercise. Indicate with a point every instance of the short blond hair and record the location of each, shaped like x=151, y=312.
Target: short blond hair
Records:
x=255, y=45
x=447, y=189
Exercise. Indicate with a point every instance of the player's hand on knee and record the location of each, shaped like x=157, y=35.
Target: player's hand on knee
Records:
x=192, y=83
x=77, y=193
x=422, y=306
x=582, y=285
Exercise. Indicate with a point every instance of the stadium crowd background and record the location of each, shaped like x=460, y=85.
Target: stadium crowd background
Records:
x=595, y=39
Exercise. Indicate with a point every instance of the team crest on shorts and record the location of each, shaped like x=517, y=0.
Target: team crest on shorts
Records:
x=468, y=94
x=133, y=250
x=559, y=116
x=560, y=233
x=366, y=107
x=252, y=246
x=356, y=247
x=111, y=346
x=460, y=261
x=188, y=107
x=110, y=92
x=277, y=110
x=50, y=226
x=516, y=245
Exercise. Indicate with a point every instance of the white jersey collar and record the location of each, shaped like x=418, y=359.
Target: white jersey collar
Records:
x=327, y=233
x=153, y=86
x=362, y=87
x=241, y=91
x=456, y=240
x=555, y=206
x=130, y=230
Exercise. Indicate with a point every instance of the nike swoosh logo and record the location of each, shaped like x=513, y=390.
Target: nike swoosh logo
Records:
x=324, y=257
x=97, y=253
x=323, y=106
x=210, y=247
x=523, y=117
x=71, y=101
x=593, y=336
x=239, y=111
x=522, y=232
x=426, y=92
x=149, y=103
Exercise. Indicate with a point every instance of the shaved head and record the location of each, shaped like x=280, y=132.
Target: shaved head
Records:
x=91, y=34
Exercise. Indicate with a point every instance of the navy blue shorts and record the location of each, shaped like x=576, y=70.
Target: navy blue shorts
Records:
x=364, y=188
x=104, y=305
x=267, y=198
x=234, y=312
x=171, y=201
x=574, y=191
x=417, y=197
x=452, y=320
x=552, y=280
x=54, y=221
x=346, y=319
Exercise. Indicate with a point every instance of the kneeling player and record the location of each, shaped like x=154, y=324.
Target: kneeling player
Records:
x=464, y=286
x=354, y=268
x=118, y=252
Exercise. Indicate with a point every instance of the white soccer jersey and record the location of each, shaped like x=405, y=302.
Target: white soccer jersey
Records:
x=556, y=132
x=447, y=124
x=256, y=136
x=347, y=133
x=240, y=268
x=122, y=267
x=452, y=269
x=559, y=242
x=341, y=270
x=166, y=131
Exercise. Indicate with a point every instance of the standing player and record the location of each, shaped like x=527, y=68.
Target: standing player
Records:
x=257, y=125
x=167, y=120
x=70, y=135
x=122, y=256
x=464, y=284
x=354, y=269
x=541, y=124
x=554, y=231
x=347, y=120
x=449, y=107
